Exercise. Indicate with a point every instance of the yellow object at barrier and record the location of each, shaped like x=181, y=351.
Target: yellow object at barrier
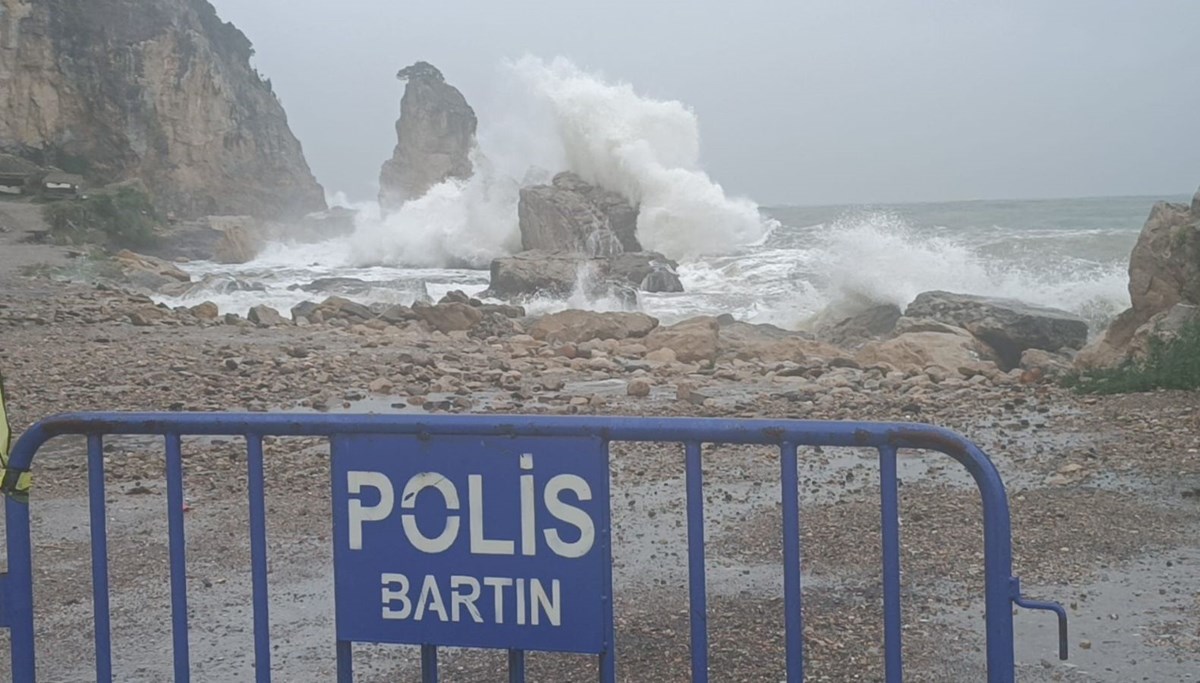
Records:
x=20, y=490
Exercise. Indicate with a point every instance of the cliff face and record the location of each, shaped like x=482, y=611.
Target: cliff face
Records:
x=435, y=134
x=157, y=89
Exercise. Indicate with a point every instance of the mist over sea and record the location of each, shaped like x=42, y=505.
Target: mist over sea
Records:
x=779, y=265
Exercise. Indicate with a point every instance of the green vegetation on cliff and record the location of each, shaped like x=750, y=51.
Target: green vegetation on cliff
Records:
x=124, y=219
x=1171, y=364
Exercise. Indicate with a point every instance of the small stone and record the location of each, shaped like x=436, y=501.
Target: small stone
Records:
x=663, y=355
x=380, y=386
x=639, y=388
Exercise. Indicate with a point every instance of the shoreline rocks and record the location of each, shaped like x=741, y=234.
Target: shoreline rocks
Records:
x=1164, y=271
x=1007, y=326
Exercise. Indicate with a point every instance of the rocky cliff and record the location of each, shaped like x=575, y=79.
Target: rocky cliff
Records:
x=157, y=89
x=435, y=134
x=1164, y=285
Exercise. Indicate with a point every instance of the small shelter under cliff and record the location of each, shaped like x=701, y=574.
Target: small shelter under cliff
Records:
x=17, y=175
x=59, y=185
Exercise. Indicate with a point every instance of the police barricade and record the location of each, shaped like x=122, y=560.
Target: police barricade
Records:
x=415, y=562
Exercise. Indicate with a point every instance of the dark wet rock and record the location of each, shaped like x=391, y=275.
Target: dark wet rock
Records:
x=305, y=310
x=449, y=317
x=558, y=274
x=571, y=215
x=398, y=313
x=662, y=278
x=265, y=316
x=855, y=330
x=1007, y=326
x=494, y=324
x=336, y=307
x=346, y=285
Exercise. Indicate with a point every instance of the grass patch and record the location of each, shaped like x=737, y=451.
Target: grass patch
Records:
x=124, y=219
x=1170, y=364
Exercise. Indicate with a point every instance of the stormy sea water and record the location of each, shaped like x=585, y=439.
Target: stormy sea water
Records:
x=1067, y=253
x=784, y=265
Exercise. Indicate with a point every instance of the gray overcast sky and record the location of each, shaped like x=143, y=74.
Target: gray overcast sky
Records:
x=807, y=102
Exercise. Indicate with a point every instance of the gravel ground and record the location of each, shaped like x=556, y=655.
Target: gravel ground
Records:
x=1105, y=494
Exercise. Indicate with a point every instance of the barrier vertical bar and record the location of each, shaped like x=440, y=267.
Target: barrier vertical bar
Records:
x=697, y=588
x=429, y=663
x=179, y=609
x=99, y=528
x=258, y=558
x=997, y=570
x=516, y=666
x=608, y=658
x=890, y=527
x=345, y=662
x=793, y=604
x=18, y=606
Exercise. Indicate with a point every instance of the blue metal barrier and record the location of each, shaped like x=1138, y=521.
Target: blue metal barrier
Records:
x=384, y=448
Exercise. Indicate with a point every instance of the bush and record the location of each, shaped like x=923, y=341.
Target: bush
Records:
x=1173, y=364
x=121, y=219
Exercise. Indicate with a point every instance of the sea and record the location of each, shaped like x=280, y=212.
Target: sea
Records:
x=791, y=266
x=817, y=261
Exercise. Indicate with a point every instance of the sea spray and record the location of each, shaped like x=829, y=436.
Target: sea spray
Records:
x=868, y=257
x=647, y=150
x=551, y=116
x=456, y=224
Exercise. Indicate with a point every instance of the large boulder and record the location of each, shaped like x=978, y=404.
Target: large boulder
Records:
x=768, y=343
x=1164, y=271
x=1005, y=325
x=695, y=339
x=435, y=134
x=538, y=272
x=341, y=307
x=864, y=325
x=265, y=316
x=917, y=351
x=241, y=240
x=580, y=326
x=558, y=274
x=574, y=216
x=449, y=317
x=148, y=272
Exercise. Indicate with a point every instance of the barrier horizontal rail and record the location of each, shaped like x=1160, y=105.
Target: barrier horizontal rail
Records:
x=1002, y=590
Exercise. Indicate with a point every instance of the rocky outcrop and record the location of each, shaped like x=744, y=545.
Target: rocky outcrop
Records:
x=855, y=330
x=435, y=134
x=695, y=339
x=161, y=90
x=148, y=272
x=575, y=233
x=1007, y=326
x=570, y=215
x=558, y=274
x=242, y=238
x=1164, y=273
x=917, y=352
